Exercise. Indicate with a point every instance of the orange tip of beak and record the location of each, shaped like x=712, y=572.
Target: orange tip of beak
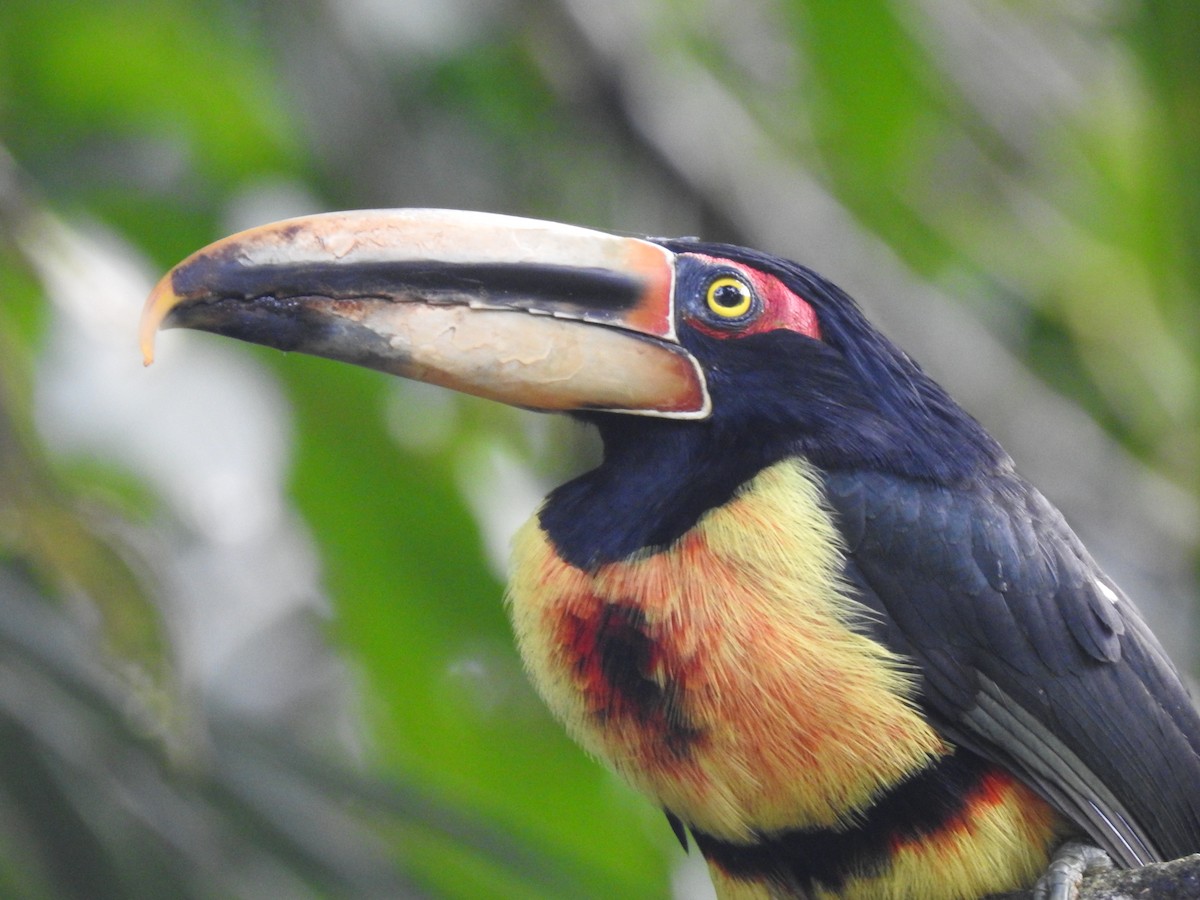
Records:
x=158, y=305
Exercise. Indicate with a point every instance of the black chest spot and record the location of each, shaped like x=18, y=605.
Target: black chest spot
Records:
x=624, y=671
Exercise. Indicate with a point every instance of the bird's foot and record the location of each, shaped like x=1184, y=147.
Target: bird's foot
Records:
x=1070, y=863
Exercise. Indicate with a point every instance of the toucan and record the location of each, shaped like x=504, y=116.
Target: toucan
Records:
x=805, y=604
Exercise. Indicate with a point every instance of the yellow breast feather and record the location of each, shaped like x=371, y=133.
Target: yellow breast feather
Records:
x=726, y=676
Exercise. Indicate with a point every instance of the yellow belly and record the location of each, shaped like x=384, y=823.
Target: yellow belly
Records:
x=724, y=676
x=999, y=840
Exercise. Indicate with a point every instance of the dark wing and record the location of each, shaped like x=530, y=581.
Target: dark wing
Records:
x=1029, y=655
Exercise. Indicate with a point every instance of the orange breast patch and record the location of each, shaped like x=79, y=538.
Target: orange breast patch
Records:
x=725, y=676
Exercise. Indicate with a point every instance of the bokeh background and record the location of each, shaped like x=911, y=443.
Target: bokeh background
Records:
x=252, y=641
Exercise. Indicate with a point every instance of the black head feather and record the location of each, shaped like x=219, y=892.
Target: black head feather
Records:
x=852, y=399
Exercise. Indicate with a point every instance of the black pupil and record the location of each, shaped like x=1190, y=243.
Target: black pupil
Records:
x=728, y=296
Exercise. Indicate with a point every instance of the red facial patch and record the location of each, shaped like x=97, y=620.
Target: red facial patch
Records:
x=780, y=306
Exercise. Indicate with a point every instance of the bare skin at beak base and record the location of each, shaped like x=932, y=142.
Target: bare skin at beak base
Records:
x=529, y=313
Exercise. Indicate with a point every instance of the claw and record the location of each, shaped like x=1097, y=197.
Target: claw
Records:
x=1071, y=862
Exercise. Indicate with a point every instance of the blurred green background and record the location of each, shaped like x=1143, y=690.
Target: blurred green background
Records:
x=252, y=641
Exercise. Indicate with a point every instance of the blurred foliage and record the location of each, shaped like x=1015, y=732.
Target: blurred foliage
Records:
x=1041, y=161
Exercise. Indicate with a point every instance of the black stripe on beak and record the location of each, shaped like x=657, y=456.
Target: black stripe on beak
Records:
x=570, y=291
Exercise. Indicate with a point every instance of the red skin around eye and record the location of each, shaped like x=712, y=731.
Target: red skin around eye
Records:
x=781, y=307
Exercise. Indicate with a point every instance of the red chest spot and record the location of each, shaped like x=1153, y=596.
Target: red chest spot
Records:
x=621, y=669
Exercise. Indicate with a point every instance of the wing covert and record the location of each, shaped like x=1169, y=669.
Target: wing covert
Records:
x=1029, y=654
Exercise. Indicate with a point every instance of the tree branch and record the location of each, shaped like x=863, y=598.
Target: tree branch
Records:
x=1176, y=880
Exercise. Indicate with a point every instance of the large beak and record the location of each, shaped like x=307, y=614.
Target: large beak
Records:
x=535, y=314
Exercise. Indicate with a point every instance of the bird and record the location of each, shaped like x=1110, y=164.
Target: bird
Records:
x=805, y=603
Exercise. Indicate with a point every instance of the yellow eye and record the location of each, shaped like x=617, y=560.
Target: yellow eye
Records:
x=729, y=297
